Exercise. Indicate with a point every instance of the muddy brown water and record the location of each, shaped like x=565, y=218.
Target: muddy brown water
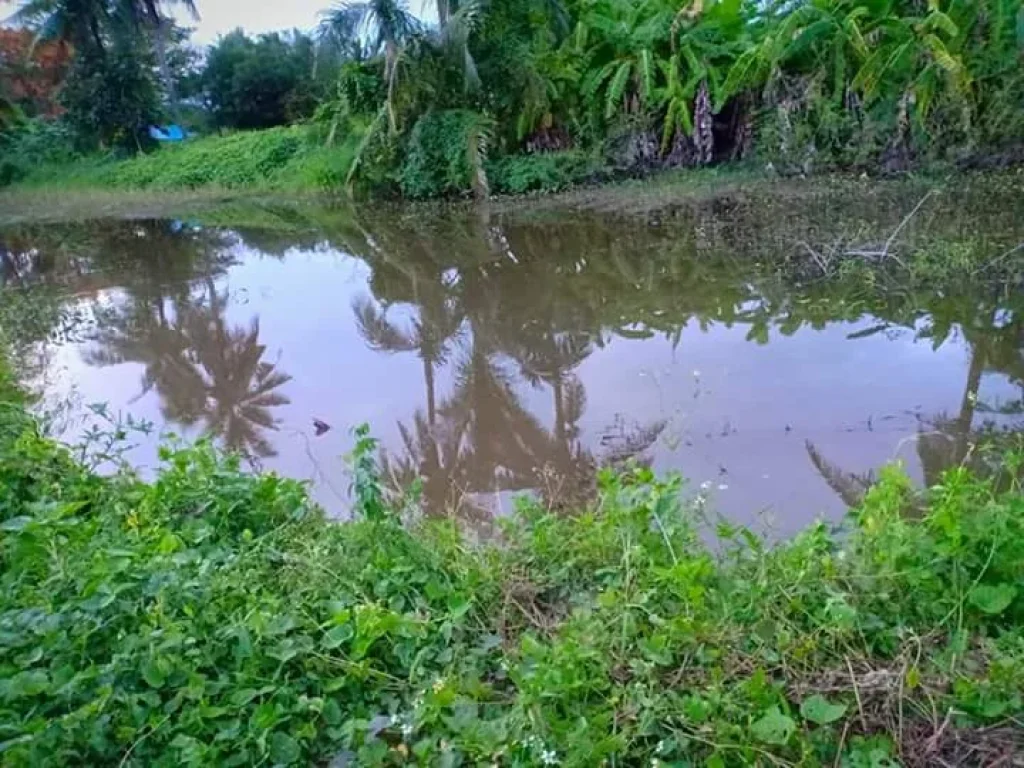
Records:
x=519, y=353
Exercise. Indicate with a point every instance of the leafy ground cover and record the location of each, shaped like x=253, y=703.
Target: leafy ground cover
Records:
x=293, y=159
x=214, y=617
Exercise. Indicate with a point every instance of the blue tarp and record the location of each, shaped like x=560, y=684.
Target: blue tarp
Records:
x=167, y=133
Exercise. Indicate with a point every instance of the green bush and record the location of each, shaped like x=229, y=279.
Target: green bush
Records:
x=238, y=160
x=546, y=172
x=443, y=154
x=212, y=617
x=34, y=143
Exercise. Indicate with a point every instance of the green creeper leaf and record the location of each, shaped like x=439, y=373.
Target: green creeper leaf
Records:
x=15, y=523
x=818, y=710
x=993, y=600
x=30, y=683
x=336, y=636
x=153, y=673
x=169, y=544
x=245, y=695
x=774, y=727
x=332, y=713
x=284, y=750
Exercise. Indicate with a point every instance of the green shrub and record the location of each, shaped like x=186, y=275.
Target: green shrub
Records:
x=546, y=172
x=443, y=154
x=34, y=143
x=238, y=160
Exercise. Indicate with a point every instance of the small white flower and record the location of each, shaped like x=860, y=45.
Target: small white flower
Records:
x=549, y=757
x=655, y=762
x=723, y=487
x=660, y=749
x=706, y=485
x=407, y=730
x=696, y=374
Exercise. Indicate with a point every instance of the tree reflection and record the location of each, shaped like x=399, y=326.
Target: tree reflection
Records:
x=209, y=373
x=500, y=323
x=994, y=338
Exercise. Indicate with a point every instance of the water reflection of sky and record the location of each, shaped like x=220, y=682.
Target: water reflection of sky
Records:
x=738, y=414
x=495, y=353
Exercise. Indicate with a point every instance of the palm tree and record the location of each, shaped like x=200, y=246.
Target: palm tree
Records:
x=338, y=34
x=151, y=15
x=78, y=22
x=387, y=25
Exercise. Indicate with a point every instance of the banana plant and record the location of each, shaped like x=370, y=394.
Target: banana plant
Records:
x=822, y=36
x=919, y=56
x=619, y=41
x=706, y=38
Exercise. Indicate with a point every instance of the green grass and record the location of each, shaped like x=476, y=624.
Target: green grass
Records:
x=213, y=617
x=289, y=158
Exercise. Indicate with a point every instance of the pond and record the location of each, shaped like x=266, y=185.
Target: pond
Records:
x=500, y=352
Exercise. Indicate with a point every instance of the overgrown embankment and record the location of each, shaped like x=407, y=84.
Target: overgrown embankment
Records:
x=214, y=617
x=294, y=159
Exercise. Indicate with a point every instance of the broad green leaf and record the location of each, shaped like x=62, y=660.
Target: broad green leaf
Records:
x=941, y=54
x=993, y=600
x=154, y=674
x=284, y=750
x=774, y=727
x=818, y=710
x=244, y=696
x=30, y=683
x=332, y=713
x=646, y=64
x=338, y=635
x=616, y=89
x=16, y=523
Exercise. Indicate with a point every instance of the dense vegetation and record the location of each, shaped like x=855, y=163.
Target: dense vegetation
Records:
x=548, y=93
x=213, y=617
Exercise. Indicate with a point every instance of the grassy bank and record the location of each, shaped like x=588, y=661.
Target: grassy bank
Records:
x=282, y=159
x=287, y=159
x=214, y=617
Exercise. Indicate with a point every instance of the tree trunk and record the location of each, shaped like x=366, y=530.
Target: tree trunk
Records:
x=703, y=136
x=160, y=29
x=969, y=403
x=428, y=378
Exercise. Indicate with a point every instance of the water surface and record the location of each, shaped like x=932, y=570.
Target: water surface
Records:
x=498, y=354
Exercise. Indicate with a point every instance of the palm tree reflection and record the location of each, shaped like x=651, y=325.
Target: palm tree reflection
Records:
x=995, y=340
x=208, y=373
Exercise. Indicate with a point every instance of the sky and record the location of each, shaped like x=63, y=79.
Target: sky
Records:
x=218, y=17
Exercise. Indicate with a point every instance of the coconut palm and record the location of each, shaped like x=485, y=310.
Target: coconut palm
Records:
x=152, y=16
x=78, y=22
x=338, y=34
x=387, y=26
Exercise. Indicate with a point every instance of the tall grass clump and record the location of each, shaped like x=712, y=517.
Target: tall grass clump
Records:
x=213, y=617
